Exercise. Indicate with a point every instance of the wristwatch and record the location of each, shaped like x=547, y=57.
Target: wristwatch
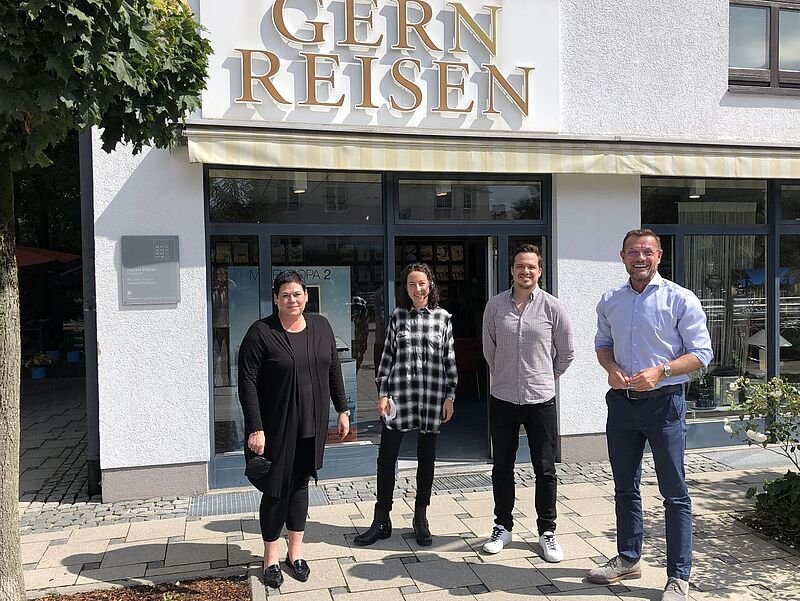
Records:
x=345, y=412
x=667, y=370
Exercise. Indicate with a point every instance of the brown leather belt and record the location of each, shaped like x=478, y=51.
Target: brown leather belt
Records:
x=651, y=394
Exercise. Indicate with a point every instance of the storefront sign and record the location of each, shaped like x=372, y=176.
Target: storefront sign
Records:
x=150, y=270
x=434, y=64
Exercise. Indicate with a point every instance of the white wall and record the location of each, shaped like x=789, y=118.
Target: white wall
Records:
x=660, y=70
x=153, y=361
x=591, y=215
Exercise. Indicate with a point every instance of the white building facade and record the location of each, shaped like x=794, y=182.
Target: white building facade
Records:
x=345, y=139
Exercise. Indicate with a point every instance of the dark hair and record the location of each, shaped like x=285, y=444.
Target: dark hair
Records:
x=526, y=248
x=641, y=233
x=433, y=291
x=287, y=277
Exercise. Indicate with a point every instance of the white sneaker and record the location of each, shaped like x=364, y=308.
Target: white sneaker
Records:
x=551, y=550
x=500, y=538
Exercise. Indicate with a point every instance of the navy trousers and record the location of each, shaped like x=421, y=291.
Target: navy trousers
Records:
x=661, y=421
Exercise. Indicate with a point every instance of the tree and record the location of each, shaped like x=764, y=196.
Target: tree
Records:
x=134, y=68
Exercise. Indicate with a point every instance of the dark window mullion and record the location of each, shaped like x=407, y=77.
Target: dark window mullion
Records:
x=774, y=76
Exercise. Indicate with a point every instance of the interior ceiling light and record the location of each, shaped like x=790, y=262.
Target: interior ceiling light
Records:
x=442, y=188
x=697, y=189
x=300, y=182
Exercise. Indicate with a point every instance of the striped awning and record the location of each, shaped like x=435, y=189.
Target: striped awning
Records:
x=386, y=152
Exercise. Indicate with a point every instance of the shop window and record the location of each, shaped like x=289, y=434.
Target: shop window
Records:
x=790, y=202
x=728, y=275
x=235, y=304
x=666, y=267
x=345, y=282
x=307, y=197
x=473, y=200
x=789, y=273
x=703, y=201
x=764, y=44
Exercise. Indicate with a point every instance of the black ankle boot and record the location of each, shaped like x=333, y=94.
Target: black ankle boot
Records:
x=421, y=529
x=378, y=530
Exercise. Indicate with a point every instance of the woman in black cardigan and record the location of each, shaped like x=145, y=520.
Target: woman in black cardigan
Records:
x=289, y=372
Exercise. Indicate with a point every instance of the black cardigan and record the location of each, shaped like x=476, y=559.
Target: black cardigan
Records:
x=269, y=396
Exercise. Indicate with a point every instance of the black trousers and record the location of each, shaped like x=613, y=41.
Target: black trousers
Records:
x=387, y=459
x=292, y=507
x=541, y=426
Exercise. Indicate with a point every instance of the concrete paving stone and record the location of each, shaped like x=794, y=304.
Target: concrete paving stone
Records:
x=443, y=505
x=518, y=548
x=520, y=594
x=605, y=545
x=463, y=594
x=112, y=574
x=600, y=525
x=442, y=574
x=71, y=554
x=382, y=574
x=441, y=525
x=315, y=595
x=475, y=496
x=589, y=507
x=336, y=515
x=49, y=578
x=581, y=491
x=389, y=594
x=443, y=547
x=133, y=553
x=156, y=529
x=367, y=508
x=178, y=569
x=722, y=594
x=509, y=574
x=564, y=524
x=567, y=575
x=250, y=528
x=574, y=547
x=477, y=508
x=394, y=546
x=717, y=526
x=110, y=532
x=325, y=574
x=248, y=551
x=195, y=552
x=748, y=547
x=482, y=527
x=596, y=593
x=31, y=553
x=213, y=527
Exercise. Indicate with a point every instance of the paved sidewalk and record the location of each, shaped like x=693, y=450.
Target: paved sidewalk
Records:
x=731, y=561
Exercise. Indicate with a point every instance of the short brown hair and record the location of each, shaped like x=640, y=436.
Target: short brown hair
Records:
x=641, y=233
x=433, y=291
x=526, y=248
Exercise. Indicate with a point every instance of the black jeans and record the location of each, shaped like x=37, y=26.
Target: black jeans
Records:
x=291, y=508
x=541, y=426
x=387, y=459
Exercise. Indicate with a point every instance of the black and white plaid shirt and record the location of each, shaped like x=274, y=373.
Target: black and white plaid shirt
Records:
x=418, y=368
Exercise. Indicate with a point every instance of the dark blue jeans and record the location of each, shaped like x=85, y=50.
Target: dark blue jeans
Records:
x=661, y=421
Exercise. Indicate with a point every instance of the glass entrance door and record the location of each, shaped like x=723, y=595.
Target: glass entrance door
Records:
x=461, y=267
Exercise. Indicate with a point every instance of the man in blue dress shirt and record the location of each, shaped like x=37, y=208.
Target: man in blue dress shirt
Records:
x=651, y=333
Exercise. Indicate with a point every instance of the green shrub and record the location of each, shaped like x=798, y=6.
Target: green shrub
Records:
x=777, y=510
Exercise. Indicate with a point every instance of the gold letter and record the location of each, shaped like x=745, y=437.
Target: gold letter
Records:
x=248, y=76
x=403, y=25
x=366, y=81
x=462, y=15
x=280, y=25
x=445, y=85
x=406, y=83
x=350, y=25
x=312, y=78
x=494, y=75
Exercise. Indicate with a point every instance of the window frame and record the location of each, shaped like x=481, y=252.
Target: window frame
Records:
x=772, y=79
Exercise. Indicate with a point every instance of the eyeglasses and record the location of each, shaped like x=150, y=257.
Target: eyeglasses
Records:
x=634, y=253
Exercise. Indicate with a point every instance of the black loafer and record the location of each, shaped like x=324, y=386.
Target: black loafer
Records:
x=298, y=569
x=273, y=577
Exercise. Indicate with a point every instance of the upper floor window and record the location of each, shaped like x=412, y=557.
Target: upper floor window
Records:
x=764, y=43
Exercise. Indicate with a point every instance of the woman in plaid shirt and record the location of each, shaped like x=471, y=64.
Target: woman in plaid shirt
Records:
x=417, y=374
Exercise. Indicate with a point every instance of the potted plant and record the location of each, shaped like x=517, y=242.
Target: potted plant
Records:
x=769, y=414
x=38, y=366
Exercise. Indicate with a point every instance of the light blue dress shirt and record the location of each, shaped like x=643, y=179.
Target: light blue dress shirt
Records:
x=664, y=322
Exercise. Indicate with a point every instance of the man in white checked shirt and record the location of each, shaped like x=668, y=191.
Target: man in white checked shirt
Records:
x=527, y=342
